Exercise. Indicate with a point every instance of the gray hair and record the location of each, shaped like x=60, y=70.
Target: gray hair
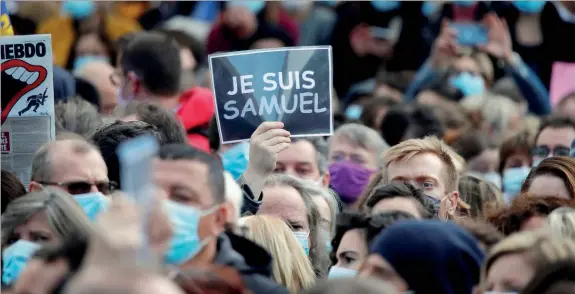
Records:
x=321, y=151
x=41, y=164
x=65, y=216
x=361, y=136
x=331, y=198
x=77, y=116
x=562, y=222
x=496, y=110
x=318, y=254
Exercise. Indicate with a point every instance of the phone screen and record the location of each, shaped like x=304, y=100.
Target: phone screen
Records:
x=471, y=34
x=136, y=174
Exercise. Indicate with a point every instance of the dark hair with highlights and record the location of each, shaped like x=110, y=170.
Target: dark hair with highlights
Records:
x=509, y=220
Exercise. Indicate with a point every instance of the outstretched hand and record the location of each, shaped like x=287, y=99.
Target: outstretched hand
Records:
x=445, y=45
x=500, y=44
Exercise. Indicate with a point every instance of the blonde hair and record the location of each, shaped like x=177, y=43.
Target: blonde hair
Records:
x=290, y=265
x=539, y=247
x=562, y=222
x=431, y=144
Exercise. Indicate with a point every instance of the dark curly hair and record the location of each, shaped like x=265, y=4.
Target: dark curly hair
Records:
x=509, y=220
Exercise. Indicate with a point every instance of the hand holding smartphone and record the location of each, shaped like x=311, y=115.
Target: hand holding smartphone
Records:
x=471, y=34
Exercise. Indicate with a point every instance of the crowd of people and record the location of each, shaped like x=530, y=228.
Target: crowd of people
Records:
x=451, y=168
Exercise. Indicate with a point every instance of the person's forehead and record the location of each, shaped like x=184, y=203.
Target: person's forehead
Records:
x=424, y=164
x=405, y=204
x=342, y=143
x=67, y=165
x=37, y=222
x=544, y=185
x=556, y=136
x=353, y=240
x=299, y=152
x=181, y=173
x=283, y=202
x=183, y=164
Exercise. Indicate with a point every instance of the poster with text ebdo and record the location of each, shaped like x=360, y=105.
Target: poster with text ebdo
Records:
x=27, y=92
x=291, y=85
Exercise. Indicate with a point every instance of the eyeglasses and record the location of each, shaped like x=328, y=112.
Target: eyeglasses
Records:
x=544, y=151
x=82, y=187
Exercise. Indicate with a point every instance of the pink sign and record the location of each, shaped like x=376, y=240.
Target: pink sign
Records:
x=562, y=81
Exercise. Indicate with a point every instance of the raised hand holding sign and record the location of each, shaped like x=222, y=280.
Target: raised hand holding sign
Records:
x=288, y=85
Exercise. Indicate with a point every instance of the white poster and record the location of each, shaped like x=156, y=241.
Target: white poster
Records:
x=27, y=100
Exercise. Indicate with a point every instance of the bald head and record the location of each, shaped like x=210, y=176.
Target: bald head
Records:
x=98, y=74
x=67, y=161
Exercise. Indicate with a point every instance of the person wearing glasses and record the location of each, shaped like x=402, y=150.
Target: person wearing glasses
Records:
x=74, y=166
x=554, y=138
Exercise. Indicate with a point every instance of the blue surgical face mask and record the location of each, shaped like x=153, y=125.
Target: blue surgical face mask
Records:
x=494, y=178
x=429, y=8
x=353, y=112
x=331, y=3
x=340, y=272
x=14, y=259
x=536, y=162
x=531, y=6
x=435, y=202
x=235, y=159
x=296, y=5
x=81, y=61
x=384, y=5
x=185, y=243
x=468, y=83
x=302, y=239
x=251, y=5
x=464, y=3
x=513, y=179
x=79, y=9
x=92, y=203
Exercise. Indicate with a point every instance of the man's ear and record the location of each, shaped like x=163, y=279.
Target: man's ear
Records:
x=325, y=179
x=453, y=200
x=220, y=219
x=231, y=213
x=135, y=81
x=35, y=186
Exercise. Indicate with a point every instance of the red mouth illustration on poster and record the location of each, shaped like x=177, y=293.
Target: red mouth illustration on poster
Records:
x=18, y=79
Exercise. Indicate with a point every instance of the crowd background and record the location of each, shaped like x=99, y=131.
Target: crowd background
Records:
x=450, y=170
